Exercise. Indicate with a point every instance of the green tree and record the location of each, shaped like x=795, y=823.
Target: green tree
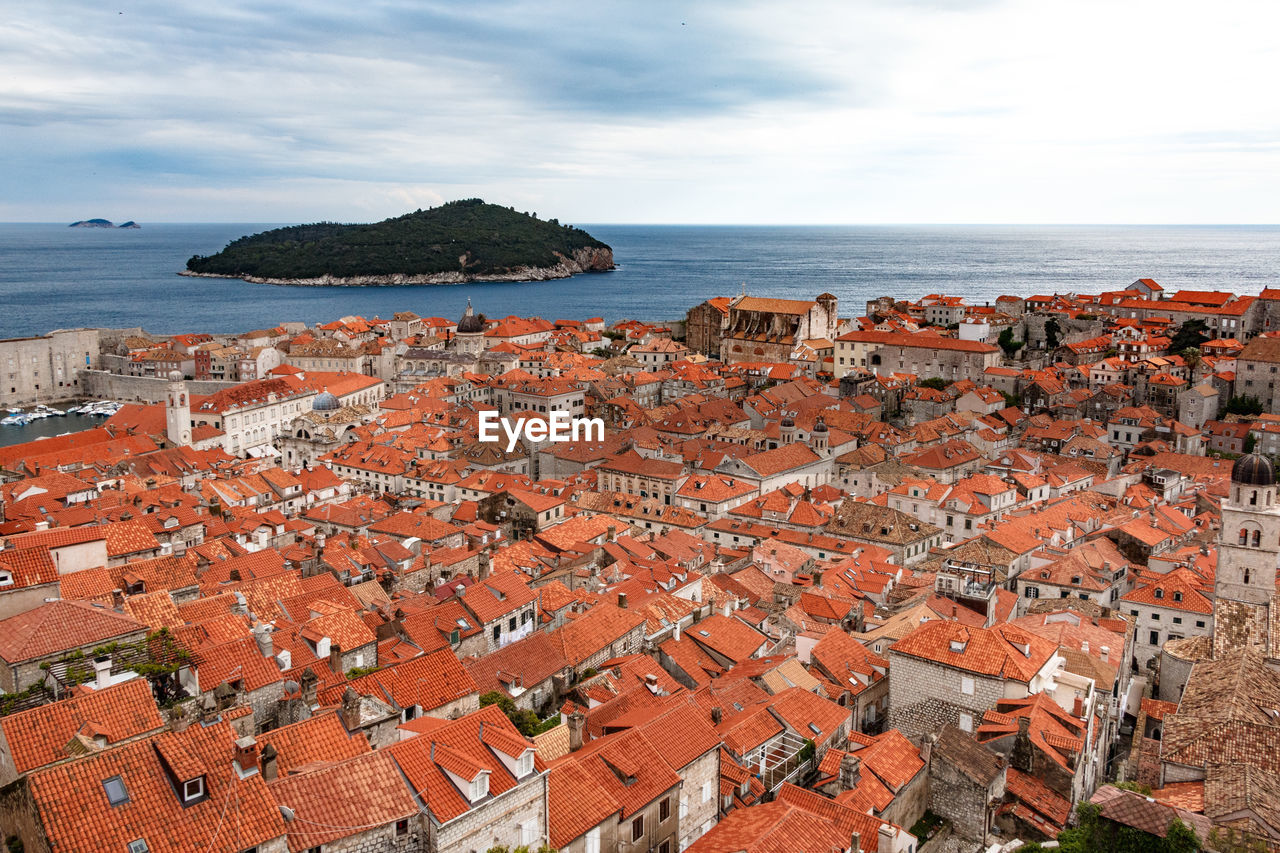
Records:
x=1227, y=840
x=1008, y=344
x=524, y=720
x=935, y=382
x=1244, y=405
x=1190, y=335
x=1250, y=442
x=1051, y=331
x=1191, y=355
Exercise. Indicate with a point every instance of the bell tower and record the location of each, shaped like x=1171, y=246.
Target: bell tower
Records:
x=1248, y=556
x=177, y=412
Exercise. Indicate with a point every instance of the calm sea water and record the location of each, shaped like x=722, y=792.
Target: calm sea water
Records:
x=46, y=428
x=52, y=276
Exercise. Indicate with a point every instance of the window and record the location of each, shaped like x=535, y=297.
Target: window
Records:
x=1177, y=620
x=637, y=828
x=1155, y=638
x=479, y=787
x=664, y=847
x=193, y=789
x=966, y=685
x=593, y=840
x=402, y=827
x=116, y=791
x=1155, y=617
x=138, y=845
x=1032, y=592
x=706, y=792
x=1199, y=623
x=664, y=808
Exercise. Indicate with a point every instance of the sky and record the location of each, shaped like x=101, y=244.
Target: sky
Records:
x=847, y=112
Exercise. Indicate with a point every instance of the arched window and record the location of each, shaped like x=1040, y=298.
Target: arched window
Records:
x=1244, y=537
x=1257, y=538
x=875, y=359
x=1253, y=498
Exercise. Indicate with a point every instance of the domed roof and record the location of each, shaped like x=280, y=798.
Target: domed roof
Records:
x=470, y=323
x=1253, y=470
x=787, y=420
x=325, y=402
x=820, y=425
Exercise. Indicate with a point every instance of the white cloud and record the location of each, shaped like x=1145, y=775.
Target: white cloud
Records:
x=716, y=112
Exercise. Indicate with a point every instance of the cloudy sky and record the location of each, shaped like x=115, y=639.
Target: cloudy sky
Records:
x=854, y=111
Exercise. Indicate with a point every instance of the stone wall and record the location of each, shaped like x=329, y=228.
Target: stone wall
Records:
x=101, y=385
x=499, y=820
x=45, y=369
x=910, y=801
x=18, y=819
x=382, y=839
x=923, y=696
x=696, y=812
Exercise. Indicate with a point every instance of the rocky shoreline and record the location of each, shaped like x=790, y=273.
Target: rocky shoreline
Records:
x=583, y=260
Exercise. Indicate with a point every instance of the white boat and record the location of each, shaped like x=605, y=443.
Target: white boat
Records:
x=16, y=420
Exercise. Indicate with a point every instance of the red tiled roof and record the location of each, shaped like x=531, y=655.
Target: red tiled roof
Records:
x=58, y=626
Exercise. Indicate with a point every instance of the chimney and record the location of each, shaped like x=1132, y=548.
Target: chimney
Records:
x=850, y=771
x=335, y=657
x=622, y=600
x=613, y=533
x=178, y=718
x=101, y=673
x=717, y=715
x=262, y=635
x=246, y=756
x=349, y=713
x=675, y=632
x=577, y=727
x=1078, y=708
x=309, y=687
x=651, y=681
x=117, y=599
x=269, y=768
x=1084, y=646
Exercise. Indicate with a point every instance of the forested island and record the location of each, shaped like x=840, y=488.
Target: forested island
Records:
x=103, y=223
x=460, y=241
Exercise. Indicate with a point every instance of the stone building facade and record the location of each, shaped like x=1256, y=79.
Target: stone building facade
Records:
x=925, y=696
x=46, y=369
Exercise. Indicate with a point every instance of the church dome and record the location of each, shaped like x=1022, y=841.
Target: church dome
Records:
x=470, y=322
x=1253, y=470
x=787, y=420
x=325, y=402
x=820, y=425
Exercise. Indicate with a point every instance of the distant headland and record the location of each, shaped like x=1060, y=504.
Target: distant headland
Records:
x=454, y=243
x=103, y=223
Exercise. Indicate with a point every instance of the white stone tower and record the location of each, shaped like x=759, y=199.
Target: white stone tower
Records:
x=1244, y=607
x=177, y=412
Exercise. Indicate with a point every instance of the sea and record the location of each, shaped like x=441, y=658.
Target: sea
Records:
x=54, y=277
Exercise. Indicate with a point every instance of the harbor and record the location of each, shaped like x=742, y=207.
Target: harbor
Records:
x=19, y=425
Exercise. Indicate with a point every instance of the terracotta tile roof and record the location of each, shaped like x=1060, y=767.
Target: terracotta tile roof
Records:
x=891, y=757
x=321, y=738
x=58, y=626
x=597, y=628
x=459, y=744
x=727, y=636
x=627, y=767
x=40, y=736
x=370, y=790
x=997, y=651
x=76, y=815
x=576, y=803
x=1038, y=796
x=429, y=682
x=526, y=662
